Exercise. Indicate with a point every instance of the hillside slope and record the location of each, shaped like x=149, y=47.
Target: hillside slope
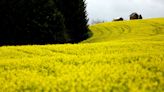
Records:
x=123, y=56
x=137, y=30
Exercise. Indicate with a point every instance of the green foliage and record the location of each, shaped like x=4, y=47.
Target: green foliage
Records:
x=130, y=59
x=41, y=21
x=31, y=22
x=75, y=18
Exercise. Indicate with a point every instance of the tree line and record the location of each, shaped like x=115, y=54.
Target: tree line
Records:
x=42, y=21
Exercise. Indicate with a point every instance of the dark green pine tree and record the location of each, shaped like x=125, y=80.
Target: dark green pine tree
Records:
x=31, y=22
x=75, y=18
x=42, y=21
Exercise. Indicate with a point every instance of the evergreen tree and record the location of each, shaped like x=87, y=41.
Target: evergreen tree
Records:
x=75, y=18
x=31, y=22
x=140, y=17
x=42, y=21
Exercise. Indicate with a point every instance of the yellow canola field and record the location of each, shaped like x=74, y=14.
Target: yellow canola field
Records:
x=123, y=56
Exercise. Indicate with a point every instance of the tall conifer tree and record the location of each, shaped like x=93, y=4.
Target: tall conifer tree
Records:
x=75, y=18
x=42, y=21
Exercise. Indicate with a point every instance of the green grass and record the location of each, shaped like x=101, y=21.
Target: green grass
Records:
x=123, y=56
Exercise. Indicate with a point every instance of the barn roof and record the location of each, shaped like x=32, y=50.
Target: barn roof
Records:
x=133, y=14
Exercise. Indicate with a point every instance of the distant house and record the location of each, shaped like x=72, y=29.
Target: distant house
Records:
x=118, y=19
x=134, y=16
